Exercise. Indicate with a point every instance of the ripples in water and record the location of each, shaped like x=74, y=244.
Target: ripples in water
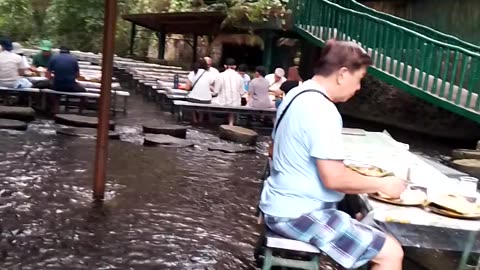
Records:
x=165, y=208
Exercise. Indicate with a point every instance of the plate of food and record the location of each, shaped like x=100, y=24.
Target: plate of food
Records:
x=454, y=206
x=367, y=170
x=410, y=197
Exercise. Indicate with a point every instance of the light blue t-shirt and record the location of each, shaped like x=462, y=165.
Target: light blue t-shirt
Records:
x=311, y=129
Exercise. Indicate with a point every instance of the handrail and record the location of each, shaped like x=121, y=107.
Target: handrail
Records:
x=443, y=44
x=442, y=69
x=420, y=28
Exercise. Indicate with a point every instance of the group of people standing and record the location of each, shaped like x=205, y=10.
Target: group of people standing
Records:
x=234, y=87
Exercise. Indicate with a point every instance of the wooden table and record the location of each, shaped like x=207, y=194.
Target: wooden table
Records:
x=412, y=226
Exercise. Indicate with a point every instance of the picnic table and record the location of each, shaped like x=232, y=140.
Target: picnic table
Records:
x=413, y=226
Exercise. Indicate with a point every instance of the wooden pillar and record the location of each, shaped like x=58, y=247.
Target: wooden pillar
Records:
x=133, y=33
x=267, y=50
x=210, y=47
x=194, y=47
x=101, y=151
x=162, y=37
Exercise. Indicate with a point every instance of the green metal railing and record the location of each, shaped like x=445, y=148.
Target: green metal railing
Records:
x=444, y=74
x=419, y=28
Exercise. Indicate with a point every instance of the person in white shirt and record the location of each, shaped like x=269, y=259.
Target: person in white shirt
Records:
x=276, y=80
x=210, y=67
x=18, y=49
x=242, y=71
x=11, y=65
x=200, y=83
x=229, y=87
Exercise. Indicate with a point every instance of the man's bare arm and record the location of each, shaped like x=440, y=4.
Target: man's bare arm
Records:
x=337, y=177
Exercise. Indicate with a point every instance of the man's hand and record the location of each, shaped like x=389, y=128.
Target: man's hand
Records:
x=393, y=186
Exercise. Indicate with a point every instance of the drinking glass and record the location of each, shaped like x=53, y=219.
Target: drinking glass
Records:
x=468, y=187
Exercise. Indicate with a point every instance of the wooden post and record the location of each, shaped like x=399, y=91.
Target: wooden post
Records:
x=101, y=154
x=133, y=33
x=162, y=37
x=267, y=50
x=195, y=43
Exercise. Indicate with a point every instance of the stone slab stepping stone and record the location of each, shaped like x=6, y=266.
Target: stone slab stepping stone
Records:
x=17, y=113
x=166, y=129
x=238, y=134
x=465, y=154
x=165, y=140
x=232, y=148
x=470, y=166
x=86, y=132
x=79, y=121
x=12, y=124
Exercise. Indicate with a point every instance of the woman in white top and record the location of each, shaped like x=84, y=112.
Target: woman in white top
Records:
x=200, y=82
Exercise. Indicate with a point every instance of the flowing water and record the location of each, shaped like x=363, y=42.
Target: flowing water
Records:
x=165, y=208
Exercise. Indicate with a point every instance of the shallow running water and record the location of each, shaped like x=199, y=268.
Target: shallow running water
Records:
x=165, y=208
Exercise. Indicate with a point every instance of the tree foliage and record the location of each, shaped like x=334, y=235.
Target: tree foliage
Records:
x=78, y=24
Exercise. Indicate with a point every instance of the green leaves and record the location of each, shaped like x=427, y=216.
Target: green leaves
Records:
x=78, y=24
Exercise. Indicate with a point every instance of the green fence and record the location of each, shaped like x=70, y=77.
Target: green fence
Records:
x=446, y=74
x=419, y=28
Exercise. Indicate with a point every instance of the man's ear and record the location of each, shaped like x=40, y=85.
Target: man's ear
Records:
x=341, y=74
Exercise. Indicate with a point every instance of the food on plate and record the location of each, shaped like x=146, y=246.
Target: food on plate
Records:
x=409, y=196
x=369, y=170
x=457, y=204
x=413, y=196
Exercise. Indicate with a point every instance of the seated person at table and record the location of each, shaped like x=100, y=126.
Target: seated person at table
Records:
x=258, y=90
x=42, y=58
x=210, y=67
x=242, y=71
x=18, y=49
x=308, y=177
x=200, y=83
x=229, y=87
x=64, y=68
x=293, y=80
x=11, y=67
x=276, y=80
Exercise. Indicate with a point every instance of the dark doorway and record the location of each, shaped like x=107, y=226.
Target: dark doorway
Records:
x=243, y=54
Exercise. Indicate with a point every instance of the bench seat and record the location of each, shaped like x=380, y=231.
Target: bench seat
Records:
x=223, y=108
x=178, y=92
x=91, y=93
x=276, y=241
x=114, y=92
x=74, y=94
x=272, y=243
x=181, y=106
x=28, y=90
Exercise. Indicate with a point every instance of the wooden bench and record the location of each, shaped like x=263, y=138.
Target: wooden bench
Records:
x=182, y=106
x=274, y=248
x=115, y=93
x=5, y=91
x=83, y=97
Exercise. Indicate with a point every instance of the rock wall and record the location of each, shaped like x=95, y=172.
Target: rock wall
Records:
x=380, y=102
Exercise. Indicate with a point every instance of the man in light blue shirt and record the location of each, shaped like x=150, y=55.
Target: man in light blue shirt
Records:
x=308, y=177
x=290, y=191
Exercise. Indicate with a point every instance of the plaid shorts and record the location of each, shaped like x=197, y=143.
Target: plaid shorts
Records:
x=347, y=241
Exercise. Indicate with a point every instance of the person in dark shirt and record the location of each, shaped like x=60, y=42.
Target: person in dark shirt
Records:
x=293, y=80
x=65, y=70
